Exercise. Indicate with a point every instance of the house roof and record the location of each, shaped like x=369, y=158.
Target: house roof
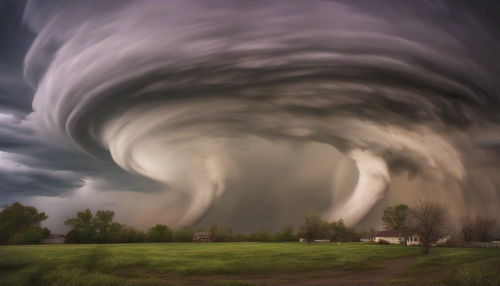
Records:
x=366, y=236
x=390, y=233
x=205, y=234
x=53, y=236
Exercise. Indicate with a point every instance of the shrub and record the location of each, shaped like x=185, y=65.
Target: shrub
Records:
x=381, y=241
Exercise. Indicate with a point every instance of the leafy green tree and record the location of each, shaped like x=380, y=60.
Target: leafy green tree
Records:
x=336, y=231
x=311, y=227
x=183, y=234
x=71, y=237
x=353, y=234
x=340, y=229
x=285, y=236
x=159, y=233
x=328, y=231
x=45, y=232
x=202, y=229
x=261, y=235
x=394, y=218
x=128, y=234
x=277, y=237
x=288, y=234
x=125, y=234
x=115, y=232
x=103, y=220
x=397, y=218
x=225, y=234
x=214, y=229
x=16, y=218
x=372, y=231
x=240, y=237
x=85, y=226
x=140, y=236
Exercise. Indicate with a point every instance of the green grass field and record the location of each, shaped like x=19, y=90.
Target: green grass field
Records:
x=231, y=263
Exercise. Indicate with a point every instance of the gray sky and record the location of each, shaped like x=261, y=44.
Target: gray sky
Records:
x=246, y=113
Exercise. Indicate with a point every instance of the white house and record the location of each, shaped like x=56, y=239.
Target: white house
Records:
x=53, y=238
x=395, y=237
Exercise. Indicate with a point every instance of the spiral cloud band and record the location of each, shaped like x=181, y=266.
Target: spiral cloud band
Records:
x=166, y=89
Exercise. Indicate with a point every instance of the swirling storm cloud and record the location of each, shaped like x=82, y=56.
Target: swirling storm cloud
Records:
x=221, y=106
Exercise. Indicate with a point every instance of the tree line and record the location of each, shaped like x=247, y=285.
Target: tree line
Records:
x=100, y=228
x=20, y=224
x=426, y=218
x=313, y=228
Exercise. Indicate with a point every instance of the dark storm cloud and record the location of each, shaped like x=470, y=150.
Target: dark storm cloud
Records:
x=38, y=182
x=33, y=165
x=15, y=40
x=166, y=88
x=15, y=99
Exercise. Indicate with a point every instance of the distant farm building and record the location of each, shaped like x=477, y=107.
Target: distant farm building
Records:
x=204, y=237
x=367, y=238
x=53, y=238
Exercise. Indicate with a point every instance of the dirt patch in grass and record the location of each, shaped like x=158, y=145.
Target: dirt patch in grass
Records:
x=388, y=268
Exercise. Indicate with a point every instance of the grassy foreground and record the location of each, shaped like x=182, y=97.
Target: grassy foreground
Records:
x=213, y=263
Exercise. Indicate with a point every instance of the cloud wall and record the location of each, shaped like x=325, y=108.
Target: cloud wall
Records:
x=170, y=91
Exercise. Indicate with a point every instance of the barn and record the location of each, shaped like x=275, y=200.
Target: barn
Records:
x=53, y=238
x=204, y=237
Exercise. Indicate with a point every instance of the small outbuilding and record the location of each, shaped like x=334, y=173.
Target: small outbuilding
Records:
x=53, y=238
x=204, y=237
x=367, y=238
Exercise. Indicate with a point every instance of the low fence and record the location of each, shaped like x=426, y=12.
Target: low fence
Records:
x=480, y=244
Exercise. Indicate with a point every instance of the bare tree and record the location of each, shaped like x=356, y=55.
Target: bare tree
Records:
x=430, y=221
x=485, y=224
x=468, y=227
x=311, y=226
